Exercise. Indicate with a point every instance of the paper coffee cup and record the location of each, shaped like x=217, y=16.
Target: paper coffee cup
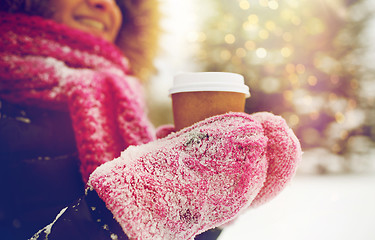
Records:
x=197, y=96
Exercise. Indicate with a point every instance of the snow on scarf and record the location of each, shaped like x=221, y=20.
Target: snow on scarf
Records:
x=50, y=65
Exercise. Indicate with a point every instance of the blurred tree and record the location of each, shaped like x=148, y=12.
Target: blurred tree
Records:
x=300, y=59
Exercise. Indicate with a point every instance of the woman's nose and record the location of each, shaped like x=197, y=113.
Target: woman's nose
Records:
x=104, y=5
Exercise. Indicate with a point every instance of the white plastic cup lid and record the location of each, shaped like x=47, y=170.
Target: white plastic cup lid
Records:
x=209, y=81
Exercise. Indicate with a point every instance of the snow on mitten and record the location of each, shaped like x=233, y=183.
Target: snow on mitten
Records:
x=283, y=155
x=188, y=182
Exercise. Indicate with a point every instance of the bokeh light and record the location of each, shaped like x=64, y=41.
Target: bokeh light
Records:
x=300, y=61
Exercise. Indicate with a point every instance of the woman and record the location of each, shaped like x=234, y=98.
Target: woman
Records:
x=38, y=145
x=70, y=102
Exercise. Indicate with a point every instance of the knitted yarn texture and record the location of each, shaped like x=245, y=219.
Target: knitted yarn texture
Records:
x=50, y=65
x=198, y=178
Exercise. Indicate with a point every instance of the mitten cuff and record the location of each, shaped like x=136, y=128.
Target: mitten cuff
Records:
x=164, y=131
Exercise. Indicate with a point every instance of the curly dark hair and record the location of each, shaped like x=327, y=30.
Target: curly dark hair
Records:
x=138, y=37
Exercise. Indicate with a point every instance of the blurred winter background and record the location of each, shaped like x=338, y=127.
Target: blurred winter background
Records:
x=310, y=61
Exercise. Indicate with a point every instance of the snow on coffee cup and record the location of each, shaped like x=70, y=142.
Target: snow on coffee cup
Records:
x=197, y=96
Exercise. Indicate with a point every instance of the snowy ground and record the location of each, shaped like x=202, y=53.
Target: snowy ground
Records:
x=313, y=208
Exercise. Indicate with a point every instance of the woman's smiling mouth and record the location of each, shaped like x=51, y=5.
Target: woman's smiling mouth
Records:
x=91, y=23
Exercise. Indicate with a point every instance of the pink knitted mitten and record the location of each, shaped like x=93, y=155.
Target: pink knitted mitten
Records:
x=283, y=154
x=189, y=182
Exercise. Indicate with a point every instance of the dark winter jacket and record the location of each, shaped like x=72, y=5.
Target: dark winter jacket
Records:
x=39, y=174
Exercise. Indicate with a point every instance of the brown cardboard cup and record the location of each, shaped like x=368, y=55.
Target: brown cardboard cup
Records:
x=197, y=96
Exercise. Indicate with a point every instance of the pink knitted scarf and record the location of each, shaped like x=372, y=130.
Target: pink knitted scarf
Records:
x=49, y=65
